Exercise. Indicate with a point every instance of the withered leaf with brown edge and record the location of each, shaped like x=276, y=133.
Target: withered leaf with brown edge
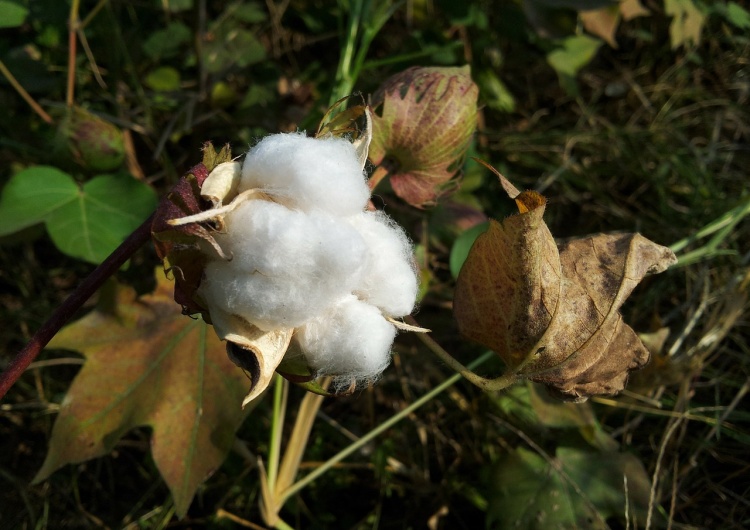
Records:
x=550, y=311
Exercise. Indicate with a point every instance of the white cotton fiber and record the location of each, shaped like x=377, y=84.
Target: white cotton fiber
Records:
x=287, y=266
x=278, y=242
x=389, y=280
x=308, y=173
x=350, y=341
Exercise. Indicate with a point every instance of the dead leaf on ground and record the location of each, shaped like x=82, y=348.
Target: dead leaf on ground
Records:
x=630, y=9
x=148, y=365
x=552, y=312
x=602, y=23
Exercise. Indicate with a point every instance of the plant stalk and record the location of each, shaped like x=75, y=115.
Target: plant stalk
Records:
x=390, y=422
x=377, y=177
x=72, y=31
x=25, y=95
x=488, y=385
x=73, y=303
x=280, y=395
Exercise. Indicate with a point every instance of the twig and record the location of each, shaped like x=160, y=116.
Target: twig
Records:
x=25, y=95
x=73, y=303
x=488, y=385
x=72, y=30
x=367, y=438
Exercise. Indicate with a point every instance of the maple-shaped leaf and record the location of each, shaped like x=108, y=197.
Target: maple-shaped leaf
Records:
x=552, y=312
x=424, y=120
x=148, y=365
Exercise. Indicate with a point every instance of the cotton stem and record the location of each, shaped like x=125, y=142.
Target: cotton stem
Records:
x=73, y=303
x=377, y=176
x=25, y=95
x=72, y=30
x=488, y=385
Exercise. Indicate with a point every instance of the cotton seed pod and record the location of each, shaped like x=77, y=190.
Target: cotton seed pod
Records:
x=95, y=143
x=423, y=123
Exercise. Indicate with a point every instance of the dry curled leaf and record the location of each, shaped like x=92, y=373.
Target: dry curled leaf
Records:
x=552, y=312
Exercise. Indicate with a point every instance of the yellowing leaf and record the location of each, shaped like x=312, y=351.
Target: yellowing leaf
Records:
x=602, y=23
x=148, y=365
x=687, y=22
x=552, y=313
x=630, y=9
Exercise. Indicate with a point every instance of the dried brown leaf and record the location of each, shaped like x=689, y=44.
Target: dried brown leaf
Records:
x=602, y=23
x=630, y=9
x=552, y=313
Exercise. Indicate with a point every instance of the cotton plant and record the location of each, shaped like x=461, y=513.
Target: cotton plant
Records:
x=294, y=265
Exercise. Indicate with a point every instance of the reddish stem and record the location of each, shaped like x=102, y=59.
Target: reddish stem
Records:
x=73, y=303
x=378, y=175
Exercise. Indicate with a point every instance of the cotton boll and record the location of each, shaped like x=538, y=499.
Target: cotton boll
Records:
x=309, y=173
x=287, y=266
x=277, y=242
x=389, y=280
x=350, y=341
x=266, y=302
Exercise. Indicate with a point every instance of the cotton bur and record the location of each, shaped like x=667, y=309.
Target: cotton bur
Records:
x=295, y=266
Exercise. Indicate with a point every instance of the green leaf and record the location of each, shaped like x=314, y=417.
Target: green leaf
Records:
x=687, y=22
x=87, y=223
x=163, y=79
x=92, y=225
x=32, y=194
x=232, y=47
x=166, y=42
x=576, y=489
x=737, y=15
x=148, y=365
x=12, y=14
x=576, y=52
x=578, y=5
x=175, y=6
x=462, y=246
x=496, y=94
x=251, y=13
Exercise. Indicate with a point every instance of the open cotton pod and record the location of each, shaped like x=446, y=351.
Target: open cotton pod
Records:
x=280, y=247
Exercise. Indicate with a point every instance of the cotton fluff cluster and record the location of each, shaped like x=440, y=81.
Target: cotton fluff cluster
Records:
x=312, y=258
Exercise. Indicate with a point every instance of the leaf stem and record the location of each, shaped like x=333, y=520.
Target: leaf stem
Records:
x=377, y=176
x=25, y=95
x=73, y=303
x=488, y=385
x=310, y=477
x=72, y=30
x=280, y=394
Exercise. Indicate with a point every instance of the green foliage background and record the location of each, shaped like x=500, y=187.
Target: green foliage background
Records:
x=650, y=136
